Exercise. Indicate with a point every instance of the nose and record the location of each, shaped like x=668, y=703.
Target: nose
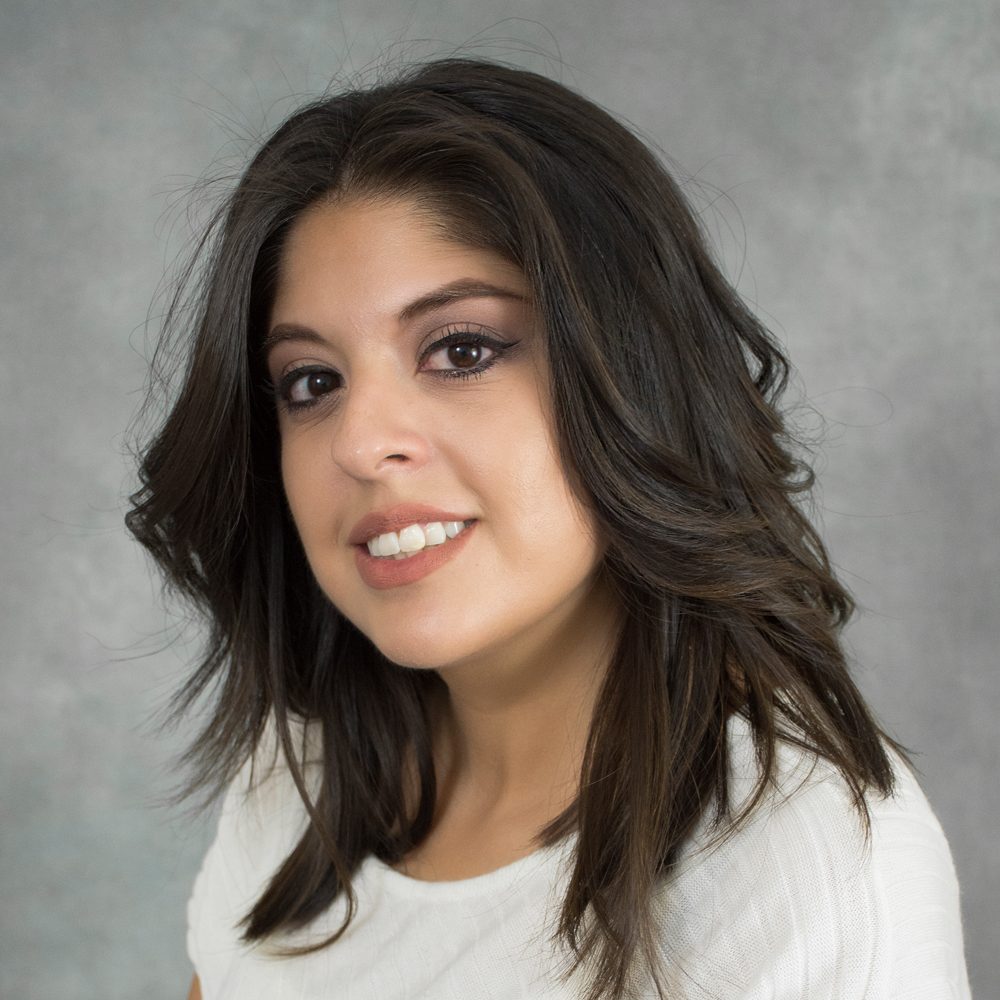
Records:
x=380, y=431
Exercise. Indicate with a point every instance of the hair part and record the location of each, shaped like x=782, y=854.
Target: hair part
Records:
x=665, y=390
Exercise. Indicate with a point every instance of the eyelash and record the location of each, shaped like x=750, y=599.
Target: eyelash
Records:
x=467, y=336
x=456, y=336
x=284, y=386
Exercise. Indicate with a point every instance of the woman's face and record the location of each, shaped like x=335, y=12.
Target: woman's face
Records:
x=412, y=391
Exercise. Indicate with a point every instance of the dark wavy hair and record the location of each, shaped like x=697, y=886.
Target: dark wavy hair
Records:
x=665, y=390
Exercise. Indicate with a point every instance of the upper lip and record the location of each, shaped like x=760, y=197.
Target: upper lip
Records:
x=381, y=522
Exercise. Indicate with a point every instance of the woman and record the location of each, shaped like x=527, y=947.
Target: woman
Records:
x=526, y=660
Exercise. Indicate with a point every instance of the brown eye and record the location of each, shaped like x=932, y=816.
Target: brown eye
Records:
x=312, y=386
x=465, y=355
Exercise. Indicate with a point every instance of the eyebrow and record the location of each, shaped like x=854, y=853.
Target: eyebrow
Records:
x=455, y=291
x=464, y=288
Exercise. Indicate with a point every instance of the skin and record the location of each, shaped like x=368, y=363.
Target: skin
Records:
x=520, y=623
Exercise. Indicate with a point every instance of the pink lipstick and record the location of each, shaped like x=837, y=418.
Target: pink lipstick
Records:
x=387, y=573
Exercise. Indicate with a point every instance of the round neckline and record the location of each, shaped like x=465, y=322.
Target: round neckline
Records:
x=489, y=883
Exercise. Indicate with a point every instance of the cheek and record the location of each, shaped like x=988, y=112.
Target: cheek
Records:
x=539, y=544
x=311, y=496
x=522, y=479
x=299, y=488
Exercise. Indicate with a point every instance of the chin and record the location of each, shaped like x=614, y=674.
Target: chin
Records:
x=421, y=645
x=417, y=655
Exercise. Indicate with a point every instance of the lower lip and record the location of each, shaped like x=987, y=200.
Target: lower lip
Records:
x=384, y=574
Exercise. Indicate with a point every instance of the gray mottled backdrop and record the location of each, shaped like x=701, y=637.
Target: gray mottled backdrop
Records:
x=857, y=144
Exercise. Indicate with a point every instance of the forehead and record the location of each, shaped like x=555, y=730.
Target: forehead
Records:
x=373, y=257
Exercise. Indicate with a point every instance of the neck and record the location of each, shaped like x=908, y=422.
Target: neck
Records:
x=512, y=732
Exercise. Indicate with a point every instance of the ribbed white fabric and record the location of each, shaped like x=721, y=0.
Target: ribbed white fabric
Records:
x=792, y=907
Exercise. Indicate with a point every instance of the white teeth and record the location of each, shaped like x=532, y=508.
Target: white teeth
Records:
x=434, y=534
x=413, y=539
x=388, y=545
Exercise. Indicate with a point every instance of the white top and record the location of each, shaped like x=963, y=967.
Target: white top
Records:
x=793, y=906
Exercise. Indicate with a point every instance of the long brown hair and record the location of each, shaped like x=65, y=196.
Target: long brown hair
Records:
x=665, y=389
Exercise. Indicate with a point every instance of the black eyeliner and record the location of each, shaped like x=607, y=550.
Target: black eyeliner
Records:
x=467, y=336
x=289, y=379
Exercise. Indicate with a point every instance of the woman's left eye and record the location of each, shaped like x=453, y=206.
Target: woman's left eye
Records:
x=462, y=354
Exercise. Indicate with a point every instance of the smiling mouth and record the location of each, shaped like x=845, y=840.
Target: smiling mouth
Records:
x=414, y=538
